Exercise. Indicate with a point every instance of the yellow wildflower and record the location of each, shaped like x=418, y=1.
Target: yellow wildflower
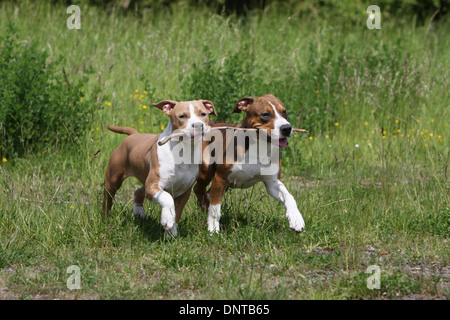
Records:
x=336, y=124
x=4, y=159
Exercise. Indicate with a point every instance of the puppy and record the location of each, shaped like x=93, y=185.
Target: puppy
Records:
x=268, y=115
x=166, y=180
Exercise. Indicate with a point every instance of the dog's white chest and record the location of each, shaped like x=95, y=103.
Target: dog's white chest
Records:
x=174, y=177
x=245, y=175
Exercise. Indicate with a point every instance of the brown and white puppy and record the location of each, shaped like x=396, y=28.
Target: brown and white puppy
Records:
x=267, y=114
x=167, y=180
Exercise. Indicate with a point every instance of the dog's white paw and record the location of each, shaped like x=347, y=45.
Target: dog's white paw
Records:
x=214, y=218
x=296, y=221
x=172, y=233
x=168, y=218
x=138, y=211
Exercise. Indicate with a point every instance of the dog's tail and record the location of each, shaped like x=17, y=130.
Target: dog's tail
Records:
x=123, y=130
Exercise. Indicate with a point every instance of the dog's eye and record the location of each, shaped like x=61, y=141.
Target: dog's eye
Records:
x=265, y=115
x=183, y=116
x=203, y=114
x=284, y=113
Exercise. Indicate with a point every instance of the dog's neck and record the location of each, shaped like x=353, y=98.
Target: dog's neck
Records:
x=174, y=144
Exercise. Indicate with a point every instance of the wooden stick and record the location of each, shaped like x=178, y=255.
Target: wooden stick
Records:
x=300, y=130
x=170, y=136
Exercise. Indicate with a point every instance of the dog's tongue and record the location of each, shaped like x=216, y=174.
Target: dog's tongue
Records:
x=283, y=142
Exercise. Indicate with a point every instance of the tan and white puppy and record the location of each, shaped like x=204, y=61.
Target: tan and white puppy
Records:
x=267, y=114
x=167, y=180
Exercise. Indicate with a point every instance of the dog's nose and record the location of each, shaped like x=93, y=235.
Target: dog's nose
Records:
x=198, y=125
x=197, y=128
x=286, y=130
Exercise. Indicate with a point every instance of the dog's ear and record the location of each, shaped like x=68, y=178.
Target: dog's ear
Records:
x=209, y=106
x=243, y=104
x=165, y=106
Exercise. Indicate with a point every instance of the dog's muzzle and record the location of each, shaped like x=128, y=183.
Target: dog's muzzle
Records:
x=286, y=130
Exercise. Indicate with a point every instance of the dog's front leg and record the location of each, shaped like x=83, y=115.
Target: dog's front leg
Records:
x=217, y=190
x=165, y=200
x=167, y=204
x=277, y=189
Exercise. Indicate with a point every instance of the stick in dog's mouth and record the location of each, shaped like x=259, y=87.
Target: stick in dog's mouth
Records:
x=208, y=129
x=179, y=134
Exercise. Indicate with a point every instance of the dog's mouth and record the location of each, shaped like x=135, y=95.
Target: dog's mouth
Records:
x=198, y=134
x=282, y=140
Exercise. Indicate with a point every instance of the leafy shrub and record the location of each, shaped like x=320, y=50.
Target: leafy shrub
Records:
x=223, y=84
x=37, y=108
x=347, y=9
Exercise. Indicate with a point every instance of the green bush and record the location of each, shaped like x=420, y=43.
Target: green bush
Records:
x=237, y=77
x=223, y=84
x=37, y=107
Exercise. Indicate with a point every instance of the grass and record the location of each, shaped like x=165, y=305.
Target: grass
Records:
x=371, y=181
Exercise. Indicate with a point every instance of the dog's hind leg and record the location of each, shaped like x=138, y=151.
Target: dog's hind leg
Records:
x=113, y=180
x=205, y=175
x=139, y=197
x=112, y=184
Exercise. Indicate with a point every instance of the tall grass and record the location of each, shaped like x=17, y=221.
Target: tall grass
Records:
x=371, y=181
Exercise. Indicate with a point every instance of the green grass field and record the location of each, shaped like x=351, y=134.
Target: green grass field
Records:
x=372, y=179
